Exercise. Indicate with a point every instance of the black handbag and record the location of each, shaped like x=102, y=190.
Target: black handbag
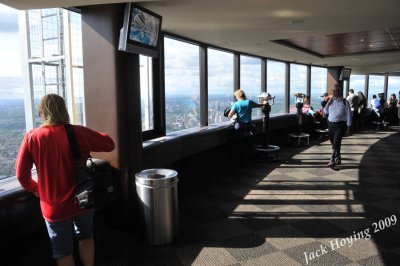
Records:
x=95, y=184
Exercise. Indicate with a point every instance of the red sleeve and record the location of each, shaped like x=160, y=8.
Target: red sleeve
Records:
x=23, y=167
x=94, y=141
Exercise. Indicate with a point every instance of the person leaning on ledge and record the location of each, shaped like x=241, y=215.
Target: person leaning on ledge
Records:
x=339, y=121
x=48, y=148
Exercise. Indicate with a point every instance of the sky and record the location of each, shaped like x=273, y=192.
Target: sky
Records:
x=10, y=56
x=182, y=67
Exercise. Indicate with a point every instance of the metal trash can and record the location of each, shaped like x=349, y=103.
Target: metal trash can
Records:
x=157, y=191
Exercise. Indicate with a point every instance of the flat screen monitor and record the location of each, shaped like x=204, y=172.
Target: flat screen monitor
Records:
x=140, y=32
x=345, y=74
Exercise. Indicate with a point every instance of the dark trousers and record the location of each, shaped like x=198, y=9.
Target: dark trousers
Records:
x=245, y=133
x=356, y=120
x=336, y=132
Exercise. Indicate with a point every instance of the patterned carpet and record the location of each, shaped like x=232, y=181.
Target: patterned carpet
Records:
x=293, y=212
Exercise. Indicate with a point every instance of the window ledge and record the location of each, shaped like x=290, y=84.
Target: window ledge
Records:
x=187, y=132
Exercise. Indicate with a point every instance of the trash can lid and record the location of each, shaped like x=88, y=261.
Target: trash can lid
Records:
x=156, y=177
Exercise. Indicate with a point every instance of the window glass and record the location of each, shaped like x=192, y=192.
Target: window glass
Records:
x=12, y=128
x=146, y=92
x=298, y=84
x=276, y=83
x=12, y=112
x=250, y=80
x=357, y=83
x=182, y=85
x=376, y=85
x=75, y=24
x=319, y=79
x=394, y=86
x=345, y=89
x=220, y=84
x=47, y=72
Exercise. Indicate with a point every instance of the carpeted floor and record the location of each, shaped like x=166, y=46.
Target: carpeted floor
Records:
x=293, y=212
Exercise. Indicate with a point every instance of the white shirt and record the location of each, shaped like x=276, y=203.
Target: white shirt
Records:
x=338, y=111
x=372, y=103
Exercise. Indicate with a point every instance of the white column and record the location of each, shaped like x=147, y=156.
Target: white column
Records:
x=68, y=68
x=26, y=72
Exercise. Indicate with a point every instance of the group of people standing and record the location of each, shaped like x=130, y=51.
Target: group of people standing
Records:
x=386, y=111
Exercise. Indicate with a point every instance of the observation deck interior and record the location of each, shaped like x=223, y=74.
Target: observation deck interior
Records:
x=234, y=213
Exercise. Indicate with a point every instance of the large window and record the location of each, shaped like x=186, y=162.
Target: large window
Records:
x=393, y=87
x=220, y=84
x=12, y=114
x=12, y=128
x=357, y=83
x=182, y=85
x=276, y=78
x=345, y=88
x=376, y=85
x=54, y=46
x=146, y=92
x=319, y=79
x=298, y=83
x=250, y=79
x=75, y=25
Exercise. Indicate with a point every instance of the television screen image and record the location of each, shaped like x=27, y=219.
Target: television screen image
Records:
x=345, y=73
x=144, y=27
x=140, y=32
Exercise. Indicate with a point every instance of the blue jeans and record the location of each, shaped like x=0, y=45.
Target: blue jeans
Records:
x=61, y=233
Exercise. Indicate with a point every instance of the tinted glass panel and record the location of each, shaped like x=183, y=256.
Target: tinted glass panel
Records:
x=220, y=84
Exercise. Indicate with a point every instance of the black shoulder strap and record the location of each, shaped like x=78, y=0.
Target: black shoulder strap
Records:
x=344, y=101
x=72, y=141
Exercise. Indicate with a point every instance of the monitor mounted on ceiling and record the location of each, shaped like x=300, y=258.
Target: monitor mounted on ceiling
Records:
x=345, y=74
x=140, y=32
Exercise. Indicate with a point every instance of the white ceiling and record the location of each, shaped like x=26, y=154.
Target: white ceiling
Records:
x=250, y=25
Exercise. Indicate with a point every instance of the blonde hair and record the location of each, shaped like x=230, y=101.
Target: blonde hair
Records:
x=240, y=94
x=53, y=110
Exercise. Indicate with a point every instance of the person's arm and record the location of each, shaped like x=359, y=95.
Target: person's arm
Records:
x=95, y=141
x=264, y=103
x=23, y=167
x=326, y=109
x=231, y=113
x=349, y=114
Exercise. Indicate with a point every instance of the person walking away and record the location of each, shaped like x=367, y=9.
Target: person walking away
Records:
x=48, y=148
x=354, y=102
x=362, y=106
x=339, y=121
x=392, y=109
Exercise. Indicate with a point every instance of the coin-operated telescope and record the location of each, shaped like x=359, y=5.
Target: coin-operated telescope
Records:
x=266, y=151
x=299, y=100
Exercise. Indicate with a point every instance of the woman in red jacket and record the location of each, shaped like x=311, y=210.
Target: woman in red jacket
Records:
x=48, y=148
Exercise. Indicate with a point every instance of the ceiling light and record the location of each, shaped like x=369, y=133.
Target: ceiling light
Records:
x=371, y=45
x=361, y=40
x=356, y=59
